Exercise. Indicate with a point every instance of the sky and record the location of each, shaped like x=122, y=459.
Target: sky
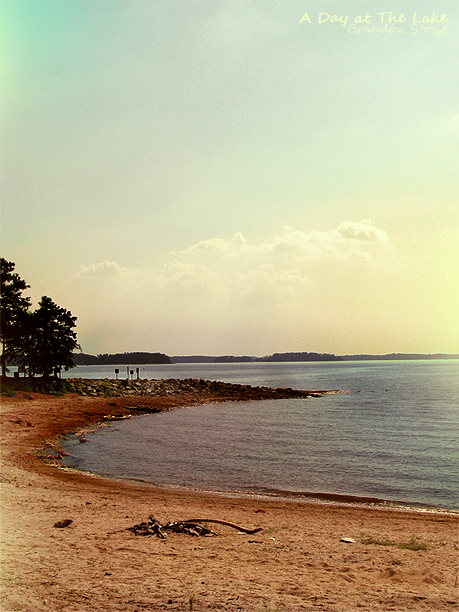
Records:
x=235, y=177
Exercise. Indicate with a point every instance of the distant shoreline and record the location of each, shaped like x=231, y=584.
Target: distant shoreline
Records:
x=136, y=358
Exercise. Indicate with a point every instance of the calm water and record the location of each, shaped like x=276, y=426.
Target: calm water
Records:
x=394, y=436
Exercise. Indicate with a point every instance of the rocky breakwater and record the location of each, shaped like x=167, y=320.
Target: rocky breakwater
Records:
x=194, y=387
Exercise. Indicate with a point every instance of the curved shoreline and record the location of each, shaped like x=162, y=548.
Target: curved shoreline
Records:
x=200, y=390
x=130, y=398
x=303, y=497
x=276, y=495
x=401, y=559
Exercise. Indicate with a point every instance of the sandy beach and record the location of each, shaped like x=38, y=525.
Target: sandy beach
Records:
x=398, y=560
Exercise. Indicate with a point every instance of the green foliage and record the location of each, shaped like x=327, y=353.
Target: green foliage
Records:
x=52, y=386
x=14, y=309
x=378, y=542
x=51, y=339
x=43, y=341
x=413, y=544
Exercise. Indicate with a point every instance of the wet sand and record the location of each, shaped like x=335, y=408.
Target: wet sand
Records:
x=296, y=562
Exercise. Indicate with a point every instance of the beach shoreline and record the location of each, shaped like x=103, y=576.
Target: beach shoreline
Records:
x=401, y=559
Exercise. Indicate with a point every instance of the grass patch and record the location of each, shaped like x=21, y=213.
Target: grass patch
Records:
x=274, y=608
x=8, y=393
x=413, y=544
x=372, y=540
x=51, y=386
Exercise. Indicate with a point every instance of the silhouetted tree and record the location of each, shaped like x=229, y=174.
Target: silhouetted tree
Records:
x=51, y=340
x=42, y=341
x=14, y=312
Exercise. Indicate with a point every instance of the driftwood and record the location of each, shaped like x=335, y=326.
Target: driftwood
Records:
x=190, y=527
x=223, y=523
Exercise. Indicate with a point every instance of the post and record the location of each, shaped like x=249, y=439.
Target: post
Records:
x=137, y=372
x=116, y=373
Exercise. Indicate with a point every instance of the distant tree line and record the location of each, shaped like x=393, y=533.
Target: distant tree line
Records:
x=121, y=359
x=43, y=341
x=295, y=357
x=248, y=359
x=300, y=357
x=399, y=357
x=233, y=359
x=193, y=359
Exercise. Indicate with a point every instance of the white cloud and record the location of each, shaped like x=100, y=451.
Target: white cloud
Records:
x=189, y=281
x=234, y=271
x=349, y=238
x=104, y=269
x=362, y=231
x=267, y=286
x=220, y=288
x=215, y=244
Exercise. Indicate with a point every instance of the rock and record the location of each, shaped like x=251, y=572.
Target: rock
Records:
x=62, y=524
x=348, y=540
x=192, y=386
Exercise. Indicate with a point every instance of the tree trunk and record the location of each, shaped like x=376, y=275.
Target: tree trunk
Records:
x=3, y=360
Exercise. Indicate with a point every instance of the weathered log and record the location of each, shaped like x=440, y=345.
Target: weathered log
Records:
x=191, y=527
x=222, y=523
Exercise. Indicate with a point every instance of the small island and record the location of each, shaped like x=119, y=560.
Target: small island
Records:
x=136, y=358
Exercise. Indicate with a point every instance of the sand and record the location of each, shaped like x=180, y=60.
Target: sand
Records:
x=296, y=562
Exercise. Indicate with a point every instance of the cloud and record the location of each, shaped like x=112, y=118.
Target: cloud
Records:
x=234, y=271
x=361, y=231
x=348, y=239
x=215, y=244
x=220, y=288
x=268, y=286
x=104, y=269
x=189, y=281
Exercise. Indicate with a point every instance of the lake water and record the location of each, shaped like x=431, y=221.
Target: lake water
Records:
x=393, y=436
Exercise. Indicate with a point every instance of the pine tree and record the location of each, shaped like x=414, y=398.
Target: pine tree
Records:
x=51, y=340
x=14, y=312
x=43, y=340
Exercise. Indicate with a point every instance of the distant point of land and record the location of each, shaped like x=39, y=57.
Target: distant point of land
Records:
x=399, y=356
x=121, y=359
